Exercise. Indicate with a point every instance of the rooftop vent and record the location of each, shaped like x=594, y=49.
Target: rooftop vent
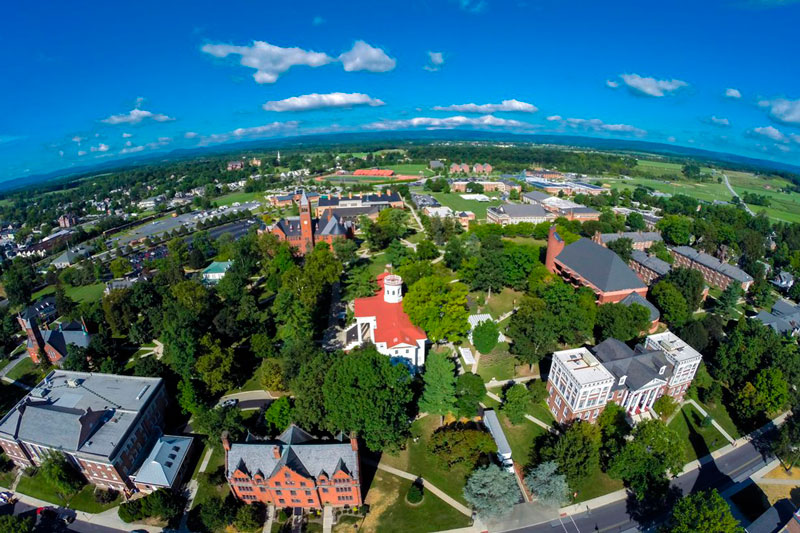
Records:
x=666, y=345
x=73, y=383
x=141, y=392
x=590, y=359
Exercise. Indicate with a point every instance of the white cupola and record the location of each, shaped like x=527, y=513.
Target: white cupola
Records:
x=393, y=289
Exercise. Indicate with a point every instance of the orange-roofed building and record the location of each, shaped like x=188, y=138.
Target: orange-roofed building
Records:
x=381, y=320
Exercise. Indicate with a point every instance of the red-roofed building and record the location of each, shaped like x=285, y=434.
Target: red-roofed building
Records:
x=380, y=319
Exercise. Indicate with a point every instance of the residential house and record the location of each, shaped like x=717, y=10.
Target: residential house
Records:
x=583, y=380
x=784, y=318
x=715, y=272
x=151, y=203
x=213, y=273
x=380, y=319
x=783, y=281
x=515, y=213
x=255, y=162
x=586, y=263
x=43, y=311
x=561, y=207
x=71, y=256
x=295, y=470
x=53, y=343
x=104, y=424
x=505, y=186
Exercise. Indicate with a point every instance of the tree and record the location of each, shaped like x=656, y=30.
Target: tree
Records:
x=491, y=491
x=272, y=375
x=675, y=229
x=469, y=391
x=622, y=322
x=516, y=401
x=16, y=524
x=576, y=451
x=18, y=281
x=623, y=247
x=690, y=283
x=345, y=250
x=119, y=267
x=458, y=443
x=365, y=393
x=787, y=445
x=215, y=365
x=533, y=331
x=646, y=461
x=438, y=307
x=768, y=393
x=671, y=303
x=439, y=395
x=635, y=221
x=64, y=304
x=249, y=517
x=614, y=428
x=728, y=300
x=214, y=422
x=665, y=406
x=485, y=335
x=60, y=474
x=454, y=254
x=427, y=250
x=309, y=405
x=703, y=511
x=278, y=415
x=360, y=283
x=549, y=487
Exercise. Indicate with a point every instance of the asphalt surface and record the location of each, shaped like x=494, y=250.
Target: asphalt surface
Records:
x=625, y=515
x=50, y=525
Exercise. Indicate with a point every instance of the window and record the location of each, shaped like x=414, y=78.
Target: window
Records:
x=282, y=501
x=293, y=492
x=278, y=492
x=310, y=501
x=324, y=490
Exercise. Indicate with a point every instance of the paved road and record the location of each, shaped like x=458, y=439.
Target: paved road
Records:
x=78, y=526
x=728, y=185
x=622, y=516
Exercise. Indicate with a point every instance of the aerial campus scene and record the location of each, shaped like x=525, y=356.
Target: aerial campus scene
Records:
x=406, y=267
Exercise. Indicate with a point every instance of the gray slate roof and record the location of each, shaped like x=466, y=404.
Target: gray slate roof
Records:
x=599, y=265
x=651, y=262
x=536, y=196
x=713, y=263
x=635, y=236
x=90, y=419
x=521, y=210
x=164, y=461
x=299, y=451
x=784, y=318
x=640, y=368
x=636, y=298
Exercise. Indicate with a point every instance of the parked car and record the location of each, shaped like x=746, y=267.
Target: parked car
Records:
x=231, y=402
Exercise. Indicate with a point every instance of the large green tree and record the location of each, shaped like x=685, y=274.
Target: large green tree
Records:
x=548, y=485
x=458, y=443
x=491, y=491
x=576, y=451
x=703, y=511
x=671, y=303
x=438, y=307
x=621, y=321
x=439, y=395
x=365, y=393
x=516, y=401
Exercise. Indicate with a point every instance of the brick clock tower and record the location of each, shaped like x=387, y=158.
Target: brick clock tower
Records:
x=306, y=225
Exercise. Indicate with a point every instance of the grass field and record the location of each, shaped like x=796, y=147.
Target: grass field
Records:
x=86, y=293
x=205, y=489
x=658, y=168
x=26, y=372
x=37, y=487
x=520, y=437
x=597, y=484
x=700, y=441
x=456, y=203
x=240, y=197
x=412, y=169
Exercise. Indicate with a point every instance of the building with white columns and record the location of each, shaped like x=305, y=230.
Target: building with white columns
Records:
x=582, y=381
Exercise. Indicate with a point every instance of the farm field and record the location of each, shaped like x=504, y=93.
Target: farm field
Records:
x=658, y=168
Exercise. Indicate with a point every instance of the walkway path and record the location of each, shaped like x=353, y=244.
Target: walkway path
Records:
x=458, y=506
x=13, y=363
x=735, y=194
x=713, y=422
x=533, y=419
x=327, y=519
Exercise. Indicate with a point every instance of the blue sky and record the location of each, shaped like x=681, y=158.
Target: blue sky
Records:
x=85, y=82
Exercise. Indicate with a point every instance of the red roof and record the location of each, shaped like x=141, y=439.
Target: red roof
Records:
x=393, y=325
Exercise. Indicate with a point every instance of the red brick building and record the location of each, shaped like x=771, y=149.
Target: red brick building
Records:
x=52, y=342
x=304, y=232
x=715, y=272
x=295, y=470
x=587, y=264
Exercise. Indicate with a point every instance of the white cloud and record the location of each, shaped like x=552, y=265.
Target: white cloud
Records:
x=595, y=124
x=506, y=105
x=190, y=134
x=61, y=153
x=131, y=149
x=273, y=128
x=435, y=61
x=732, y=93
x=613, y=84
x=128, y=143
x=78, y=139
x=81, y=152
x=126, y=135
x=99, y=148
x=365, y=57
x=719, y=121
x=316, y=21
x=770, y=132
x=136, y=115
x=795, y=137
x=308, y=102
x=553, y=118
x=447, y=123
x=671, y=139
x=783, y=110
x=652, y=86
x=270, y=61
x=473, y=6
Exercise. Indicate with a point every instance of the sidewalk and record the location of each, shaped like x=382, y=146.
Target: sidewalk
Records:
x=713, y=422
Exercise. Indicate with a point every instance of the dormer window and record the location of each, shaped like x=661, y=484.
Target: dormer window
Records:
x=622, y=380
x=662, y=370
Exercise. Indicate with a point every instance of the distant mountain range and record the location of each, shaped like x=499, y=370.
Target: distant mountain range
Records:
x=307, y=141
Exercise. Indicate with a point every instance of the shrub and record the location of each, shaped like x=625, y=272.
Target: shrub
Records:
x=515, y=403
x=105, y=496
x=249, y=517
x=414, y=494
x=665, y=406
x=538, y=391
x=484, y=336
x=707, y=421
x=162, y=504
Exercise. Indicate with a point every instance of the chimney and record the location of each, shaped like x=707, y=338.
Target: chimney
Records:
x=597, y=238
x=554, y=246
x=353, y=442
x=388, y=192
x=276, y=452
x=226, y=441
x=350, y=195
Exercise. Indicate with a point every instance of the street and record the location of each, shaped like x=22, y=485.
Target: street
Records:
x=78, y=526
x=625, y=515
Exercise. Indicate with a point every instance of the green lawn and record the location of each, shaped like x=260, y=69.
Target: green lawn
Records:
x=527, y=240
x=26, y=372
x=205, y=489
x=377, y=263
x=520, y=437
x=411, y=169
x=241, y=197
x=418, y=460
x=387, y=498
x=597, y=484
x=4, y=363
x=456, y=203
x=7, y=478
x=498, y=364
x=542, y=412
x=502, y=302
x=37, y=487
x=700, y=441
x=86, y=293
